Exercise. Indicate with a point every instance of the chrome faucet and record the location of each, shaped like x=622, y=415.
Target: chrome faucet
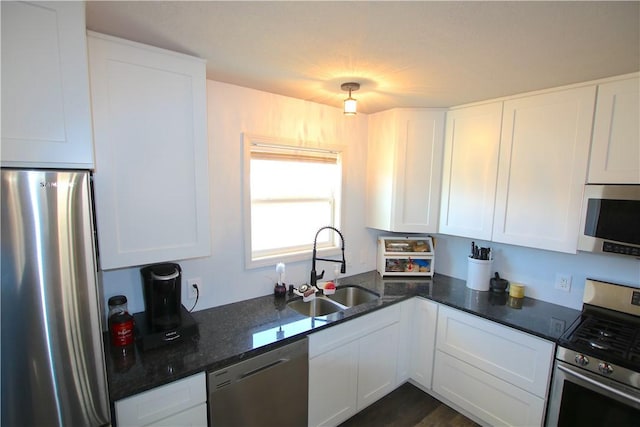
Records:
x=343, y=265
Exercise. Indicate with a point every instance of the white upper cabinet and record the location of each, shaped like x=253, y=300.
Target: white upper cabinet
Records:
x=152, y=177
x=472, y=143
x=46, y=115
x=615, y=150
x=544, y=153
x=404, y=170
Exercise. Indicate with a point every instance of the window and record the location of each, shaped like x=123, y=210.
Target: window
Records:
x=290, y=191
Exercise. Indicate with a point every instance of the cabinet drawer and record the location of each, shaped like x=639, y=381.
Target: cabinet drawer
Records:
x=494, y=401
x=513, y=356
x=193, y=417
x=335, y=336
x=161, y=402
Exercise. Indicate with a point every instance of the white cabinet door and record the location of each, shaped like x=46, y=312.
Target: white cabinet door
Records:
x=182, y=399
x=377, y=365
x=351, y=365
x=513, y=356
x=405, y=341
x=492, y=400
x=615, y=149
x=494, y=372
x=544, y=153
x=404, y=170
x=470, y=168
x=424, y=322
x=151, y=178
x=333, y=385
x=380, y=169
x=46, y=115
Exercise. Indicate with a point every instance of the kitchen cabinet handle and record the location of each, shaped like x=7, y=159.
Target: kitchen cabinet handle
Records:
x=175, y=336
x=262, y=368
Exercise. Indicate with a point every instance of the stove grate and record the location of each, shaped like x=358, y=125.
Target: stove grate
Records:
x=610, y=336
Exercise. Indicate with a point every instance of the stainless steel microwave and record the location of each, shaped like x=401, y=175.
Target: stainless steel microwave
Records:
x=611, y=220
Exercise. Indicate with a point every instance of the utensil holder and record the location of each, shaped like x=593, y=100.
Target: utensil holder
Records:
x=479, y=273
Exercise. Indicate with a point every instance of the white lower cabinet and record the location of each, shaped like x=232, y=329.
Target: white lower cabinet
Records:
x=377, y=357
x=496, y=373
x=425, y=316
x=352, y=365
x=333, y=385
x=183, y=403
x=405, y=341
x=490, y=399
x=193, y=417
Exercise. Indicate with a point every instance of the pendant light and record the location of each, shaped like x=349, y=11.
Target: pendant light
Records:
x=350, y=104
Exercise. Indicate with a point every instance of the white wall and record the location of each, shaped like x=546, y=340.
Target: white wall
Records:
x=233, y=110
x=536, y=269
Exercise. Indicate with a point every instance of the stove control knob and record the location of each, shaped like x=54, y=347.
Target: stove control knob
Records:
x=605, y=368
x=581, y=359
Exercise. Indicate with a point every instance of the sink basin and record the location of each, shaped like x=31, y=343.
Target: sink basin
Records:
x=344, y=297
x=353, y=295
x=320, y=306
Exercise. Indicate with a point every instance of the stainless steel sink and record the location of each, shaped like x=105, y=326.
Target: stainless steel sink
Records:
x=352, y=296
x=344, y=298
x=320, y=306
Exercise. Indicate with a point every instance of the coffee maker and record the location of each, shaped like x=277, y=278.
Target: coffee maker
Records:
x=165, y=320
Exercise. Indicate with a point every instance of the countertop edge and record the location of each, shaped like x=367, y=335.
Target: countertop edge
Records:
x=208, y=353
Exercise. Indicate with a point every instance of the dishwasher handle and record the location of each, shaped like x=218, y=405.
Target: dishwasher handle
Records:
x=262, y=368
x=268, y=362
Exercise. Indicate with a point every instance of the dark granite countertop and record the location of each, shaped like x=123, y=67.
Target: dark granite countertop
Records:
x=239, y=330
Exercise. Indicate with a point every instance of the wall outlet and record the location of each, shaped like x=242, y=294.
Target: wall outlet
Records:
x=191, y=291
x=563, y=282
x=557, y=326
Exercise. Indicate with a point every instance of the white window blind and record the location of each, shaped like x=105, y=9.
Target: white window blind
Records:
x=293, y=191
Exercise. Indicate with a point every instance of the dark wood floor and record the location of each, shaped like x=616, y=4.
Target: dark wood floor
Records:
x=408, y=406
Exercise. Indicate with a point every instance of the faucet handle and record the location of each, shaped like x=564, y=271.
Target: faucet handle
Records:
x=320, y=276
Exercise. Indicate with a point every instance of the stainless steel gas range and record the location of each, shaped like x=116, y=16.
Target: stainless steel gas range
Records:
x=596, y=378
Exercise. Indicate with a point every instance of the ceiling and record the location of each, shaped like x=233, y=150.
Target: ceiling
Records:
x=404, y=54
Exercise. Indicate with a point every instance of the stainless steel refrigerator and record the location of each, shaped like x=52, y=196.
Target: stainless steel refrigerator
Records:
x=53, y=369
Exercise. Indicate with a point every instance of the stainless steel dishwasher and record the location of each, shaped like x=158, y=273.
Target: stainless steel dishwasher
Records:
x=267, y=390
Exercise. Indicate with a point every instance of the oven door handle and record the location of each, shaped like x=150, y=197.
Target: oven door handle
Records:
x=600, y=385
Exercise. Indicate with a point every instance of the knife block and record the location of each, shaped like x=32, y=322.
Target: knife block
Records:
x=479, y=274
